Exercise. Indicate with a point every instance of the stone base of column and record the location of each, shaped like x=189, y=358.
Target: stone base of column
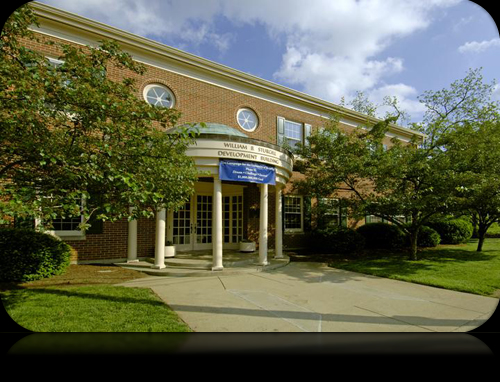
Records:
x=132, y=261
x=158, y=266
x=217, y=269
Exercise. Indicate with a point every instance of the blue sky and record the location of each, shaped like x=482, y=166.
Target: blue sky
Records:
x=327, y=48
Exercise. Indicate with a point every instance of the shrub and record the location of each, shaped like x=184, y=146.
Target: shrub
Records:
x=26, y=255
x=382, y=235
x=428, y=237
x=338, y=240
x=453, y=231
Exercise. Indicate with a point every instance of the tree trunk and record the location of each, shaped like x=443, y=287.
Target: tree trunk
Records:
x=480, y=243
x=413, y=245
x=481, y=232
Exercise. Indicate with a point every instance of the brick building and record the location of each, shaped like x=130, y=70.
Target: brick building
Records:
x=247, y=119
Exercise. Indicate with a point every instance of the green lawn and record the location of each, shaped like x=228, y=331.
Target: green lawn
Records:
x=456, y=267
x=494, y=229
x=95, y=308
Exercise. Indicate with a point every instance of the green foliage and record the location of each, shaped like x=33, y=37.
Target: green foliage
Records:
x=26, y=255
x=452, y=231
x=475, y=152
x=418, y=179
x=68, y=132
x=382, y=235
x=340, y=240
x=428, y=237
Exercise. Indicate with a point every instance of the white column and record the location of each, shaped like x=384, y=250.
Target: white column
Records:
x=263, y=225
x=160, y=239
x=217, y=226
x=278, y=233
x=132, y=239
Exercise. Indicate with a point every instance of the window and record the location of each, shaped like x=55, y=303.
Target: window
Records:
x=294, y=218
x=332, y=213
x=291, y=133
x=54, y=62
x=159, y=95
x=374, y=219
x=247, y=119
x=68, y=226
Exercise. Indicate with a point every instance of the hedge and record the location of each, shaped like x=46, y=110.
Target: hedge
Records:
x=428, y=237
x=26, y=255
x=453, y=231
x=340, y=240
x=382, y=235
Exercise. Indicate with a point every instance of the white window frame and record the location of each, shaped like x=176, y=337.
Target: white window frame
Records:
x=294, y=230
x=287, y=138
x=68, y=234
x=372, y=217
x=167, y=89
x=337, y=213
x=243, y=109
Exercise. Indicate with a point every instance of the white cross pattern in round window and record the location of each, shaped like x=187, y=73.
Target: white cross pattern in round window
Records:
x=157, y=95
x=247, y=119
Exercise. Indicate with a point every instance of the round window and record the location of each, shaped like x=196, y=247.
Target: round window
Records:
x=159, y=95
x=247, y=119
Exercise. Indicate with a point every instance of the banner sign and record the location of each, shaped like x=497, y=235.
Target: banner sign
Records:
x=241, y=171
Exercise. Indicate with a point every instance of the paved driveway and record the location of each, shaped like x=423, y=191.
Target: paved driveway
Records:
x=311, y=297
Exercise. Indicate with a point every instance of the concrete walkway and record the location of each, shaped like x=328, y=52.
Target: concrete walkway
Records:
x=311, y=297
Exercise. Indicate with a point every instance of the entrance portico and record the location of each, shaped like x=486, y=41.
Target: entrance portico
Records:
x=213, y=217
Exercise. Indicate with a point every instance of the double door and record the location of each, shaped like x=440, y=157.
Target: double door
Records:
x=192, y=224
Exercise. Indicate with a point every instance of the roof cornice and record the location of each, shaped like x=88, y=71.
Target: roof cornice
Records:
x=59, y=16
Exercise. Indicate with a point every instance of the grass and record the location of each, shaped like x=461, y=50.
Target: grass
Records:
x=84, y=300
x=494, y=230
x=455, y=267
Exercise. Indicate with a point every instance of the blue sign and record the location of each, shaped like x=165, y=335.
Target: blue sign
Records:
x=241, y=171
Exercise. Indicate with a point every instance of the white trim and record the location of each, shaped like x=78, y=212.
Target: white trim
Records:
x=68, y=235
x=148, y=87
x=251, y=111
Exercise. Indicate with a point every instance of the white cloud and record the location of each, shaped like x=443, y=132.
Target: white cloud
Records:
x=333, y=48
x=405, y=95
x=496, y=93
x=189, y=20
x=479, y=47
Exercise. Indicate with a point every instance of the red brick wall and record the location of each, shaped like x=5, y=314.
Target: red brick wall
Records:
x=199, y=102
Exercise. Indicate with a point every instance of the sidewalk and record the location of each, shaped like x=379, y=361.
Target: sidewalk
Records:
x=311, y=297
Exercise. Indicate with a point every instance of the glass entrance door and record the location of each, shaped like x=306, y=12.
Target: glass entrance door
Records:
x=182, y=227
x=203, y=228
x=232, y=215
x=192, y=224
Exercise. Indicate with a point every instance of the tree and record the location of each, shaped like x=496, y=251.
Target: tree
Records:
x=416, y=180
x=68, y=132
x=475, y=152
x=402, y=180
